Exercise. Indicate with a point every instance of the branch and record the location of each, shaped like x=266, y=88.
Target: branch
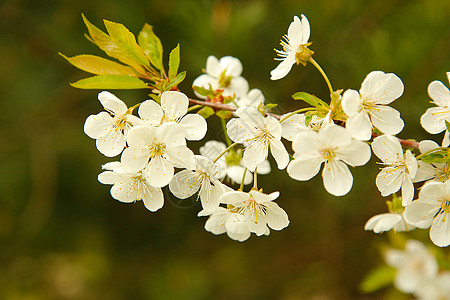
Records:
x=220, y=106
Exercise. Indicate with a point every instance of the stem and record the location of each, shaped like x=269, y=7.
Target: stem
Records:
x=295, y=112
x=194, y=107
x=255, y=179
x=224, y=151
x=431, y=151
x=323, y=74
x=224, y=127
x=243, y=178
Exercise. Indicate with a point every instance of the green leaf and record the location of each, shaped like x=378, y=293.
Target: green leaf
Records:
x=98, y=65
x=109, y=46
x=308, y=119
x=126, y=42
x=110, y=82
x=177, y=80
x=206, y=112
x=174, y=62
x=151, y=45
x=441, y=156
x=209, y=93
x=378, y=278
x=224, y=114
x=447, y=125
x=310, y=99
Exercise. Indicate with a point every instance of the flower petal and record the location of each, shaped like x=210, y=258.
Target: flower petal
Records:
x=351, y=103
x=433, y=120
x=381, y=88
x=387, y=148
x=276, y=217
x=280, y=153
x=159, y=171
x=389, y=180
x=407, y=189
x=357, y=153
x=440, y=230
x=195, y=125
x=185, y=184
x=152, y=197
x=151, y=113
x=386, y=119
x=134, y=159
x=359, y=126
x=283, y=68
x=239, y=131
x=337, y=178
x=174, y=105
x=98, y=125
x=112, y=103
x=439, y=93
x=304, y=168
x=255, y=153
x=111, y=144
x=382, y=222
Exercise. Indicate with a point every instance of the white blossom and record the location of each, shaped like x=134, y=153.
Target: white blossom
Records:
x=294, y=124
x=433, y=120
x=157, y=151
x=296, y=38
x=333, y=146
x=400, y=168
x=415, y=264
x=230, y=164
x=110, y=127
x=434, y=288
x=131, y=187
x=257, y=133
x=434, y=171
x=173, y=108
x=387, y=221
x=432, y=209
x=223, y=74
x=252, y=212
x=368, y=109
x=254, y=98
x=188, y=182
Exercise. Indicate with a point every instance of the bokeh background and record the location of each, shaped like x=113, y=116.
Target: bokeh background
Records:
x=62, y=235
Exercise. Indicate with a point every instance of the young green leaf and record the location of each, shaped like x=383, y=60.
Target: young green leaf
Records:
x=441, y=156
x=126, y=42
x=98, y=65
x=174, y=62
x=177, y=80
x=110, y=82
x=224, y=114
x=310, y=99
x=206, y=112
x=152, y=46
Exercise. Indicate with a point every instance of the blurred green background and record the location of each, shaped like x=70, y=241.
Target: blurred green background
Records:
x=62, y=235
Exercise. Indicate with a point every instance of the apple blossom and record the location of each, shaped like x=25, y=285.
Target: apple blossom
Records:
x=173, y=108
x=157, y=151
x=434, y=171
x=257, y=133
x=223, y=74
x=333, y=146
x=131, y=187
x=368, y=109
x=294, y=43
x=387, y=221
x=400, y=168
x=109, y=128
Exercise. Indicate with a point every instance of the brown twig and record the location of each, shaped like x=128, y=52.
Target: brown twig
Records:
x=220, y=106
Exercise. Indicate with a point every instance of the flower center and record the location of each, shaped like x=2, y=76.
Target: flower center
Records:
x=253, y=208
x=157, y=149
x=444, y=209
x=120, y=123
x=327, y=153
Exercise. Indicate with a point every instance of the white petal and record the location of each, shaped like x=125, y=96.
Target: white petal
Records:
x=216, y=223
x=427, y=145
x=280, y=153
x=293, y=126
x=212, y=149
x=111, y=144
x=234, y=198
x=389, y=180
x=306, y=143
x=238, y=87
x=386, y=119
x=159, y=171
x=125, y=191
x=419, y=211
x=357, y=153
x=440, y=230
x=351, y=103
x=252, y=116
x=237, y=224
x=195, y=125
x=254, y=98
x=151, y=112
x=205, y=81
x=359, y=126
x=276, y=217
x=170, y=133
x=98, y=125
x=283, y=68
x=213, y=68
x=424, y=172
x=180, y=156
x=239, y=131
x=264, y=167
x=387, y=148
x=236, y=174
x=152, y=197
x=112, y=103
x=382, y=222
x=109, y=177
x=134, y=159
x=174, y=104
x=407, y=190
x=305, y=30
x=141, y=136
x=232, y=65
x=433, y=120
x=334, y=136
x=295, y=31
x=304, y=169
x=382, y=88
x=337, y=178
x=411, y=163
x=185, y=184
x=209, y=196
x=439, y=93
x=273, y=126
x=254, y=154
